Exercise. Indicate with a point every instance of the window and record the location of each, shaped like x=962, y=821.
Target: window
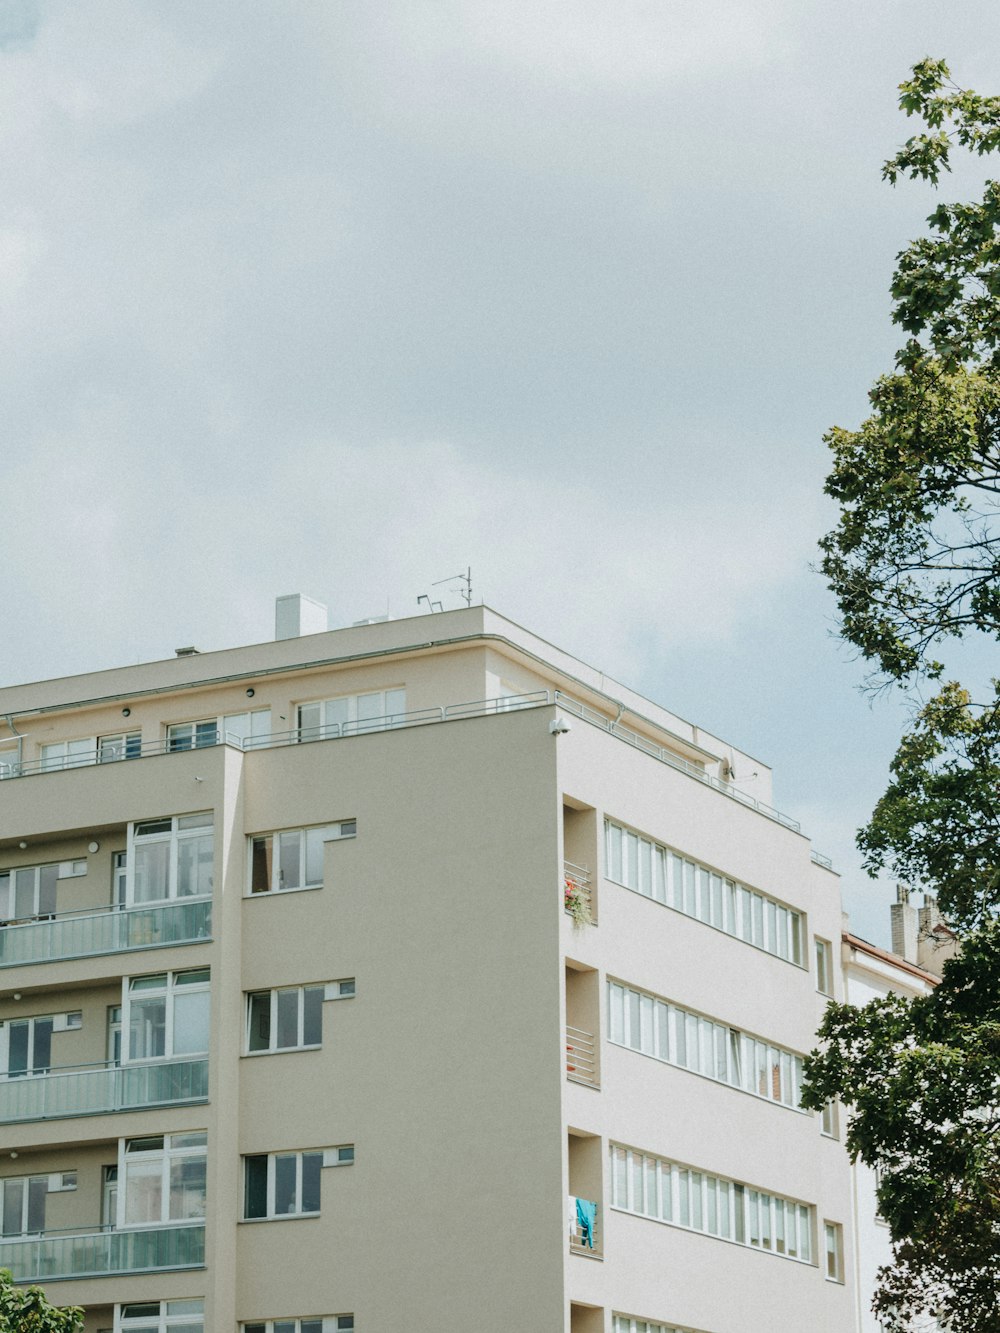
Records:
x=125, y=745
x=828, y=1121
x=26, y=1043
x=337, y=1323
x=10, y=766
x=169, y=858
x=351, y=714
x=285, y=1020
x=824, y=970
x=623, y=1323
x=694, y=889
x=22, y=1201
x=668, y=1192
x=166, y=1015
x=68, y=754
x=160, y=1317
x=833, y=1238
x=242, y=729
x=164, y=1179
x=667, y=1032
x=29, y=892
x=293, y=859
x=279, y=1185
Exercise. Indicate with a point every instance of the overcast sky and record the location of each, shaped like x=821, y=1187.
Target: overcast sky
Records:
x=340, y=297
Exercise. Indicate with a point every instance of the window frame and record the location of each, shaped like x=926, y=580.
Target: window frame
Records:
x=342, y=1323
x=174, y=985
x=824, y=966
x=167, y=1154
x=833, y=1231
x=273, y=1019
x=209, y=731
x=334, y=831
x=353, y=723
x=10, y=890
x=181, y=831
x=165, y=1319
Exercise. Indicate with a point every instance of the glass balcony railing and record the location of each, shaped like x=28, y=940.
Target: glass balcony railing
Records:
x=60, y=1254
x=82, y=934
x=95, y=1089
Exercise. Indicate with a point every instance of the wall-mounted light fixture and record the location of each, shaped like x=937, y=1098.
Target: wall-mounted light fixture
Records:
x=126, y=712
x=251, y=692
x=93, y=846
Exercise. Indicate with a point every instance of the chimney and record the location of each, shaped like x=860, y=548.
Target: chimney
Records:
x=296, y=614
x=935, y=942
x=904, y=925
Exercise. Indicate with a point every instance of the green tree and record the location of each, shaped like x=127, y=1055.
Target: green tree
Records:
x=25, y=1310
x=914, y=562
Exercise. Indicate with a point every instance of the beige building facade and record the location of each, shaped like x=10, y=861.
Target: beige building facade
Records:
x=413, y=977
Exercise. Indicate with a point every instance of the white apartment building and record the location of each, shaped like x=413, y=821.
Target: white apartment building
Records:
x=414, y=977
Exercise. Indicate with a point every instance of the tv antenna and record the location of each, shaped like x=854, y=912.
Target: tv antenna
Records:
x=465, y=578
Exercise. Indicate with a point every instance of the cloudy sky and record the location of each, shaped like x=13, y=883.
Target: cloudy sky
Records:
x=340, y=297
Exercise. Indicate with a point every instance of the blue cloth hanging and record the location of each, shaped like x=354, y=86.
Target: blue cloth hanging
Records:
x=586, y=1216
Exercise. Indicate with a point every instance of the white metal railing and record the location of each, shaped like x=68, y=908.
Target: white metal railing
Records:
x=584, y=1234
x=74, y=1090
x=821, y=860
x=581, y=1057
x=399, y=721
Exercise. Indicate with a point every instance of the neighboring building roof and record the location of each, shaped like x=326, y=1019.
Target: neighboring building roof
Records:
x=863, y=946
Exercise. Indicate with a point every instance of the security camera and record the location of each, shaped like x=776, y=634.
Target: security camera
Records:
x=558, y=726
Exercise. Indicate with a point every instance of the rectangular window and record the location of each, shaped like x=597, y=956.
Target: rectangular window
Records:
x=22, y=1201
x=166, y=1015
x=68, y=754
x=336, y=1323
x=9, y=764
x=655, y=1027
x=709, y=1204
x=160, y=1317
x=293, y=858
x=169, y=858
x=699, y=892
x=833, y=1238
x=351, y=714
x=124, y=745
x=29, y=893
x=828, y=1120
x=623, y=1323
x=26, y=1043
x=824, y=969
x=164, y=1179
x=241, y=729
x=285, y=1020
x=279, y=1185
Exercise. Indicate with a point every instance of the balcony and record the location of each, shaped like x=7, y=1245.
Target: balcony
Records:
x=584, y=1227
x=85, y=934
x=58, y=1255
x=581, y=1061
x=578, y=898
x=97, y=1089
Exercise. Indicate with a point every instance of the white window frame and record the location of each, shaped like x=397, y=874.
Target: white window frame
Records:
x=696, y=1200
x=346, y=828
x=343, y=1155
x=56, y=755
x=188, y=981
x=121, y=745
x=9, y=888
x=246, y=729
x=170, y=1315
x=824, y=966
x=180, y=830
x=173, y=1149
x=10, y=761
x=623, y=1323
x=350, y=714
x=833, y=1231
x=673, y=880
x=336, y=1323
x=66, y=1022
x=702, y=1045
x=299, y=1045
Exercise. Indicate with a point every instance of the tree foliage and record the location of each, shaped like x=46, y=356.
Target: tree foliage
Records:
x=25, y=1310
x=915, y=562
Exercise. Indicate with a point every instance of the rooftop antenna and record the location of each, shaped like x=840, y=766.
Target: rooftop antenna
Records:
x=430, y=605
x=465, y=578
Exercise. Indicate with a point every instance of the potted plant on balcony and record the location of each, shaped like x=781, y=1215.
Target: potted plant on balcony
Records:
x=577, y=902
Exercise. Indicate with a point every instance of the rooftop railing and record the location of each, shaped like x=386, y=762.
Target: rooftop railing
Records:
x=819, y=859
x=96, y=1089
x=11, y=768
x=114, y=930
x=57, y=1255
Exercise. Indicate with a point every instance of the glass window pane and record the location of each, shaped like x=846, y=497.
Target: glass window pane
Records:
x=255, y=1187
x=191, y=1023
x=24, y=893
x=194, y=866
x=260, y=1021
x=288, y=860
x=260, y=876
x=285, y=1169
x=187, y=1188
x=41, y=1056
x=48, y=878
x=152, y=869
x=143, y=1191
x=312, y=1018
x=17, y=1048
x=312, y=1163
x=288, y=1019
x=13, y=1206
x=147, y=1028
x=37, y=1190
x=314, y=854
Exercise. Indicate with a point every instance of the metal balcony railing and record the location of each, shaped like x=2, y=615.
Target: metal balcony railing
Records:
x=84, y=934
x=584, y=1226
x=819, y=859
x=96, y=1089
x=57, y=1255
x=581, y=1057
x=578, y=898
x=14, y=768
